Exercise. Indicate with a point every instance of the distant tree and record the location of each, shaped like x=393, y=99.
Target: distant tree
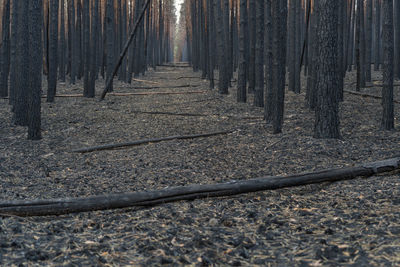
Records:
x=388, y=65
x=327, y=106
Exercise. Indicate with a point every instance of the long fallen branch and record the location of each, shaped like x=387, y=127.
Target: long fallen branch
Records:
x=198, y=115
x=366, y=95
x=190, y=192
x=147, y=141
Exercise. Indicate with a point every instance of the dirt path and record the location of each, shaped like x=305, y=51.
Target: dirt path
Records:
x=353, y=222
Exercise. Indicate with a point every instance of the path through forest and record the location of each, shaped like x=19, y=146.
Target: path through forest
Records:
x=353, y=222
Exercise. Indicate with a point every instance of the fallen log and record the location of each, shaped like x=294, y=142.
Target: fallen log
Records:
x=366, y=95
x=147, y=141
x=144, y=81
x=190, y=192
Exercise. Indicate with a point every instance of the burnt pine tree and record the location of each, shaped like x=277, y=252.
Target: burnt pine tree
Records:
x=35, y=69
x=61, y=45
x=110, y=41
x=388, y=74
x=242, y=81
x=259, y=60
x=327, y=106
x=86, y=47
x=268, y=63
x=279, y=29
x=5, y=50
x=22, y=66
x=52, y=50
x=377, y=22
x=252, y=48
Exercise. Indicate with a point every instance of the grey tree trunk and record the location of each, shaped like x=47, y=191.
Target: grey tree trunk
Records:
x=71, y=41
x=269, y=97
x=252, y=49
x=93, y=50
x=211, y=41
x=368, y=40
x=110, y=42
x=242, y=81
x=35, y=68
x=86, y=47
x=377, y=47
x=388, y=75
x=61, y=65
x=13, y=53
x=327, y=108
x=396, y=21
x=22, y=66
x=279, y=27
x=223, y=84
x=53, y=53
x=259, y=61
x=5, y=50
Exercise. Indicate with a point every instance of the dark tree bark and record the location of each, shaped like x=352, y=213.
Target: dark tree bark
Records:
x=377, y=22
x=223, y=83
x=71, y=41
x=35, y=68
x=388, y=53
x=242, y=81
x=79, y=40
x=93, y=49
x=252, y=49
x=259, y=61
x=368, y=40
x=22, y=66
x=52, y=49
x=13, y=53
x=211, y=42
x=86, y=47
x=5, y=50
x=396, y=21
x=61, y=65
x=279, y=28
x=269, y=97
x=110, y=41
x=327, y=108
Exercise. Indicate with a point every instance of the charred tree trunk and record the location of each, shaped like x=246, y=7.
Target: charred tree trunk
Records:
x=242, y=79
x=388, y=75
x=5, y=50
x=259, y=61
x=327, y=108
x=52, y=49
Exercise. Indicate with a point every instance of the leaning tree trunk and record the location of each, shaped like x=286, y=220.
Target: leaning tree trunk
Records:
x=388, y=53
x=327, y=108
x=35, y=68
x=53, y=55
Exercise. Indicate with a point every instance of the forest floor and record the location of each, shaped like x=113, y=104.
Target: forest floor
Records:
x=347, y=223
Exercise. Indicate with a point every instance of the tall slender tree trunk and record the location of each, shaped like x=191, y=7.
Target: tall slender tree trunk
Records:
x=53, y=50
x=61, y=65
x=110, y=41
x=388, y=47
x=241, y=92
x=35, y=68
x=5, y=50
x=259, y=62
x=252, y=49
x=377, y=47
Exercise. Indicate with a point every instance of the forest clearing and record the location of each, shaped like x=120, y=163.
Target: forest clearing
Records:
x=199, y=133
